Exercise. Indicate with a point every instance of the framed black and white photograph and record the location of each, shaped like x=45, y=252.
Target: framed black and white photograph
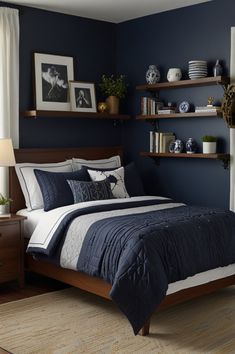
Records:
x=52, y=76
x=82, y=96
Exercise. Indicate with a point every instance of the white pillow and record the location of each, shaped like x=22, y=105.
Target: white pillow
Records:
x=112, y=162
x=29, y=184
x=116, y=179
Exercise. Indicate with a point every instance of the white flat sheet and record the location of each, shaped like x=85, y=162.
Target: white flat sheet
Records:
x=33, y=217
x=202, y=278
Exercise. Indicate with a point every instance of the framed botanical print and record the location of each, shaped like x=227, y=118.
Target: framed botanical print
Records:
x=82, y=96
x=52, y=76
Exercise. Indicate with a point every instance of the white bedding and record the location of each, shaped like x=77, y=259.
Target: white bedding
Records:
x=33, y=218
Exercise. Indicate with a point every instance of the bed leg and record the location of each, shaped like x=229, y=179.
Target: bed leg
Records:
x=145, y=329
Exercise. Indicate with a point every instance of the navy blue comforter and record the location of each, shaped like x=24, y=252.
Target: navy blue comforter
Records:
x=141, y=254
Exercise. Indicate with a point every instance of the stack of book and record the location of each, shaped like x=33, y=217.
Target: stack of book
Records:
x=208, y=108
x=167, y=110
x=149, y=106
x=160, y=142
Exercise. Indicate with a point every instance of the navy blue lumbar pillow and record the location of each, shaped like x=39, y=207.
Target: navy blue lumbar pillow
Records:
x=86, y=191
x=132, y=179
x=55, y=189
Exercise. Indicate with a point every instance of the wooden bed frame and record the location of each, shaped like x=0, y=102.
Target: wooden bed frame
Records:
x=78, y=279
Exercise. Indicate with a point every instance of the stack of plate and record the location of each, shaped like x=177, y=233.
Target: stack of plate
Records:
x=197, y=69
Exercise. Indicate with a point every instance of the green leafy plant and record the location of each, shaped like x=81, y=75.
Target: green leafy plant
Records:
x=4, y=201
x=209, y=139
x=113, y=86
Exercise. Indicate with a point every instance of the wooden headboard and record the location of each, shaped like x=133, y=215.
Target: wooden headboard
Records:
x=52, y=155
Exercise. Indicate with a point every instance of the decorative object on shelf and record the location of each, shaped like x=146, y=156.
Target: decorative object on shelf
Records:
x=179, y=146
x=210, y=101
x=7, y=158
x=184, y=107
x=152, y=75
x=191, y=146
x=102, y=107
x=82, y=96
x=174, y=74
x=209, y=143
x=197, y=69
x=52, y=76
x=217, y=69
x=114, y=88
x=228, y=105
x=172, y=146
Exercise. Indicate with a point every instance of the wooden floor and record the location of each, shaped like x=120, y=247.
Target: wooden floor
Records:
x=34, y=285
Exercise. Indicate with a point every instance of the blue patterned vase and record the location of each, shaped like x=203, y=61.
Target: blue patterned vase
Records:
x=191, y=146
x=179, y=146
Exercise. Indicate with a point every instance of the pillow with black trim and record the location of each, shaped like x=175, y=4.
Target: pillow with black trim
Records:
x=28, y=181
x=55, y=189
x=87, y=191
x=132, y=179
x=116, y=179
x=111, y=162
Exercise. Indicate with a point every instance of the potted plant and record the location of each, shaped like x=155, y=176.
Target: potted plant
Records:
x=209, y=143
x=3, y=203
x=114, y=88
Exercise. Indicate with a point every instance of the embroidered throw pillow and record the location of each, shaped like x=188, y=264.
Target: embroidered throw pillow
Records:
x=86, y=191
x=116, y=179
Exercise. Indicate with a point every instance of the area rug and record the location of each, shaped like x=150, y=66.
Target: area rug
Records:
x=72, y=321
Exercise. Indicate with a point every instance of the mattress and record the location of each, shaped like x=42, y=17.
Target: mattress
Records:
x=34, y=216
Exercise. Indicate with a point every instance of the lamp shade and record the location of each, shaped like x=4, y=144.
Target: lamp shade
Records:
x=7, y=157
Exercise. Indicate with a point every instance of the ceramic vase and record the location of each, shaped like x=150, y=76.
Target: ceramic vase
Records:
x=113, y=104
x=174, y=74
x=179, y=146
x=191, y=146
x=218, y=69
x=152, y=75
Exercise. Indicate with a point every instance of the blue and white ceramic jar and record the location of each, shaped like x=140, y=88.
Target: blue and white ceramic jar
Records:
x=179, y=146
x=152, y=75
x=191, y=146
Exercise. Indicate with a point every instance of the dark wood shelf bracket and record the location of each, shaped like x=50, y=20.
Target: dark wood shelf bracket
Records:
x=225, y=158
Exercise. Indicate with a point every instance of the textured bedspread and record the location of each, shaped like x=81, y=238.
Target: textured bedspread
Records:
x=141, y=249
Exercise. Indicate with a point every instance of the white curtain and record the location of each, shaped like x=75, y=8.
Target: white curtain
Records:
x=9, y=82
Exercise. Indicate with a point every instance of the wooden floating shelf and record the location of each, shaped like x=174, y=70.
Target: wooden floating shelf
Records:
x=223, y=157
x=69, y=114
x=179, y=115
x=207, y=81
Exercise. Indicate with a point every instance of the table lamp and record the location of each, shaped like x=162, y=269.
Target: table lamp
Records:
x=7, y=158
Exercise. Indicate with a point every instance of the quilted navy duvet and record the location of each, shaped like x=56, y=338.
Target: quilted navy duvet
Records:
x=139, y=246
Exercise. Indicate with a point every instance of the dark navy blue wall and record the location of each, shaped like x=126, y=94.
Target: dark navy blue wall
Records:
x=93, y=46
x=171, y=39
x=168, y=39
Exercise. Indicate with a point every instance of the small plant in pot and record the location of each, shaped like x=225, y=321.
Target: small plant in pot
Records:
x=113, y=88
x=4, y=202
x=209, y=143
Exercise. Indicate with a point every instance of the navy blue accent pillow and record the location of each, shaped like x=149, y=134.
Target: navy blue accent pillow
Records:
x=86, y=191
x=55, y=189
x=132, y=179
x=133, y=182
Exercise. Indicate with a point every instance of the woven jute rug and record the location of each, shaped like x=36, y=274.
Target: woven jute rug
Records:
x=71, y=321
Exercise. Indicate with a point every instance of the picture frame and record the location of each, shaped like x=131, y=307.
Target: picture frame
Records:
x=82, y=96
x=52, y=74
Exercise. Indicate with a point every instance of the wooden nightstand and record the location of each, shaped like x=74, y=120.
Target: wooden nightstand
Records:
x=11, y=249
